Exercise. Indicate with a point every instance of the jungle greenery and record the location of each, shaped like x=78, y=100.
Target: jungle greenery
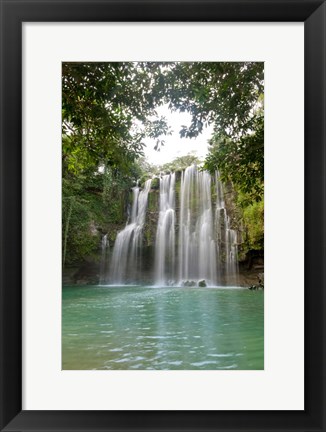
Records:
x=109, y=108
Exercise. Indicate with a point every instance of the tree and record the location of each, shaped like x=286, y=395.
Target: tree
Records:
x=223, y=93
x=241, y=160
x=180, y=163
x=229, y=96
x=107, y=110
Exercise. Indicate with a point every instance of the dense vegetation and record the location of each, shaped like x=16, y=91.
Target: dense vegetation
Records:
x=109, y=108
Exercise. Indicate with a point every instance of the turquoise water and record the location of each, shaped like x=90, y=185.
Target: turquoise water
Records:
x=162, y=328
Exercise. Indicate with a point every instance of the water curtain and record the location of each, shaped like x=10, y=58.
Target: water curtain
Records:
x=194, y=240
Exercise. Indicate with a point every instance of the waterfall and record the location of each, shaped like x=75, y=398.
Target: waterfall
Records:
x=194, y=240
x=104, y=258
x=226, y=237
x=165, y=234
x=231, y=256
x=126, y=258
x=197, y=246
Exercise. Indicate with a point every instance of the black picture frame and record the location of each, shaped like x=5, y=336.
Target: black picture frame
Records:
x=13, y=14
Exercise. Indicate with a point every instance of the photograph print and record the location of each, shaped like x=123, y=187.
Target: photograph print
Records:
x=163, y=216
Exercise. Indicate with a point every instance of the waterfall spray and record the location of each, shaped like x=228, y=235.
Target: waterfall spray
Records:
x=126, y=257
x=197, y=246
x=194, y=239
x=104, y=258
x=165, y=234
x=226, y=237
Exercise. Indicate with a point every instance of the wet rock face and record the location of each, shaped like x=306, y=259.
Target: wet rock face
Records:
x=251, y=269
x=250, y=277
x=261, y=279
x=87, y=273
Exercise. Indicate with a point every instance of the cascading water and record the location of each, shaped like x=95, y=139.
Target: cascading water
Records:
x=226, y=237
x=194, y=240
x=165, y=234
x=105, y=247
x=197, y=246
x=231, y=255
x=126, y=257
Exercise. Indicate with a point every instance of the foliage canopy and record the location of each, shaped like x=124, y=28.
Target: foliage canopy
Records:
x=107, y=110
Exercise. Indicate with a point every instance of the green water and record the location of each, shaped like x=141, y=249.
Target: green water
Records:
x=162, y=328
